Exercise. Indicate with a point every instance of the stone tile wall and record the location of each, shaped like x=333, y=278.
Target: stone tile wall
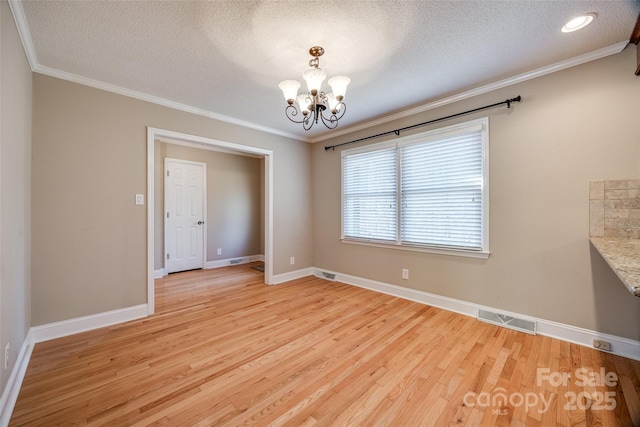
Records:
x=614, y=208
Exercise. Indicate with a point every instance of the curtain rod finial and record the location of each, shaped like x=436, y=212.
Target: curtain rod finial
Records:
x=516, y=99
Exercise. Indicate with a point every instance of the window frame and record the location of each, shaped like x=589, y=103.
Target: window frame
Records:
x=398, y=143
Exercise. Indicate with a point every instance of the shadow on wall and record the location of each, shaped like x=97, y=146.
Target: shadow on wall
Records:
x=612, y=299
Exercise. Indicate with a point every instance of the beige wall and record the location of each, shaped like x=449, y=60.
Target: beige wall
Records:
x=15, y=191
x=89, y=161
x=233, y=201
x=573, y=126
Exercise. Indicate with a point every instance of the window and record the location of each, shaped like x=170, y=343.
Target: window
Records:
x=424, y=192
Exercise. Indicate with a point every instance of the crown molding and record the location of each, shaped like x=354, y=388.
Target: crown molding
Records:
x=52, y=72
x=23, y=29
x=539, y=72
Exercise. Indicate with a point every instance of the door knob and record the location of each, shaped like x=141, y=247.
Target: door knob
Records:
x=200, y=222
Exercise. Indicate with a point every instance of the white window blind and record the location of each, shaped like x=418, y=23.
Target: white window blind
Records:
x=442, y=192
x=424, y=191
x=370, y=195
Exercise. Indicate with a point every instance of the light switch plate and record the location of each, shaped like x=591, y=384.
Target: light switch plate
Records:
x=139, y=199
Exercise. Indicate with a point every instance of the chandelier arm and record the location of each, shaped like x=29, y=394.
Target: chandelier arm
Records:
x=342, y=108
x=307, y=123
x=291, y=111
x=332, y=121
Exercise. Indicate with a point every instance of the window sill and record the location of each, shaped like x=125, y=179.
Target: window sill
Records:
x=431, y=250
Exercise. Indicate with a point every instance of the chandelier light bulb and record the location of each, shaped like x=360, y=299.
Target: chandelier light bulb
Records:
x=289, y=89
x=339, y=85
x=314, y=78
x=304, y=102
x=334, y=103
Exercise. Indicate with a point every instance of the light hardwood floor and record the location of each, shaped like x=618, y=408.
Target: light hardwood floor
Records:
x=225, y=349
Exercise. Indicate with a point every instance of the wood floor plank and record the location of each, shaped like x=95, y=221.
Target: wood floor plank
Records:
x=224, y=349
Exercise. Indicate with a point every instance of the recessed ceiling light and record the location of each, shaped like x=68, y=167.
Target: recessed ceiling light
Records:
x=578, y=22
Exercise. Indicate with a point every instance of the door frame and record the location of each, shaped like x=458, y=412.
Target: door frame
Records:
x=167, y=261
x=154, y=134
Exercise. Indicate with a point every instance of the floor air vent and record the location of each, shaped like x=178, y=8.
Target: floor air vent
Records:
x=521, y=325
x=325, y=275
x=237, y=261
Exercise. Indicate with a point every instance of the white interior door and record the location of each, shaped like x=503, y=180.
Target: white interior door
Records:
x=185, y=213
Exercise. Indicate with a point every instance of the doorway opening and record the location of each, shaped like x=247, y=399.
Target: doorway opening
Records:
x=170, y=137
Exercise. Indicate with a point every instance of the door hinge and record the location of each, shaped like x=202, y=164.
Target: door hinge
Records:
x=167, y=214
x=167, y=256
x=167, y=173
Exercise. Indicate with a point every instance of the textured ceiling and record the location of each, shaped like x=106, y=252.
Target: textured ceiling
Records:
x=227, y=57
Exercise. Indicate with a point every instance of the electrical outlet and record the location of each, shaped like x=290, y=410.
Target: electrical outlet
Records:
x=405, y=274
x=219, y=251
x=292, y=260
x=139, y=199
x=602, y=345
x=6, y=355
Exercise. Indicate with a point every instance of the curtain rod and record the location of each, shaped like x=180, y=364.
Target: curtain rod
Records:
x=397, y=131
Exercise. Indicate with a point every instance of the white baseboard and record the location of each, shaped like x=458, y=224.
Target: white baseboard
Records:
x=87, y=323
x=160, y=273
x=620, y=346
x=292, y=275
x=12, y=388
x=233, y=261
x=422, y=297
x=55, y=330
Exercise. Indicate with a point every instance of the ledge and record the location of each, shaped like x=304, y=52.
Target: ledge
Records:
x=427, y=249
x=623, y=256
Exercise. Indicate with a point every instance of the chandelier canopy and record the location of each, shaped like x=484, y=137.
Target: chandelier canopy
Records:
x=315, y=105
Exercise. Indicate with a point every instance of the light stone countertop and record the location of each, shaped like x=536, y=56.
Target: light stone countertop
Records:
x=623, y=256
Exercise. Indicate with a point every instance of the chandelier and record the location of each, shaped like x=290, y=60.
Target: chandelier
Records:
x=315, y=105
